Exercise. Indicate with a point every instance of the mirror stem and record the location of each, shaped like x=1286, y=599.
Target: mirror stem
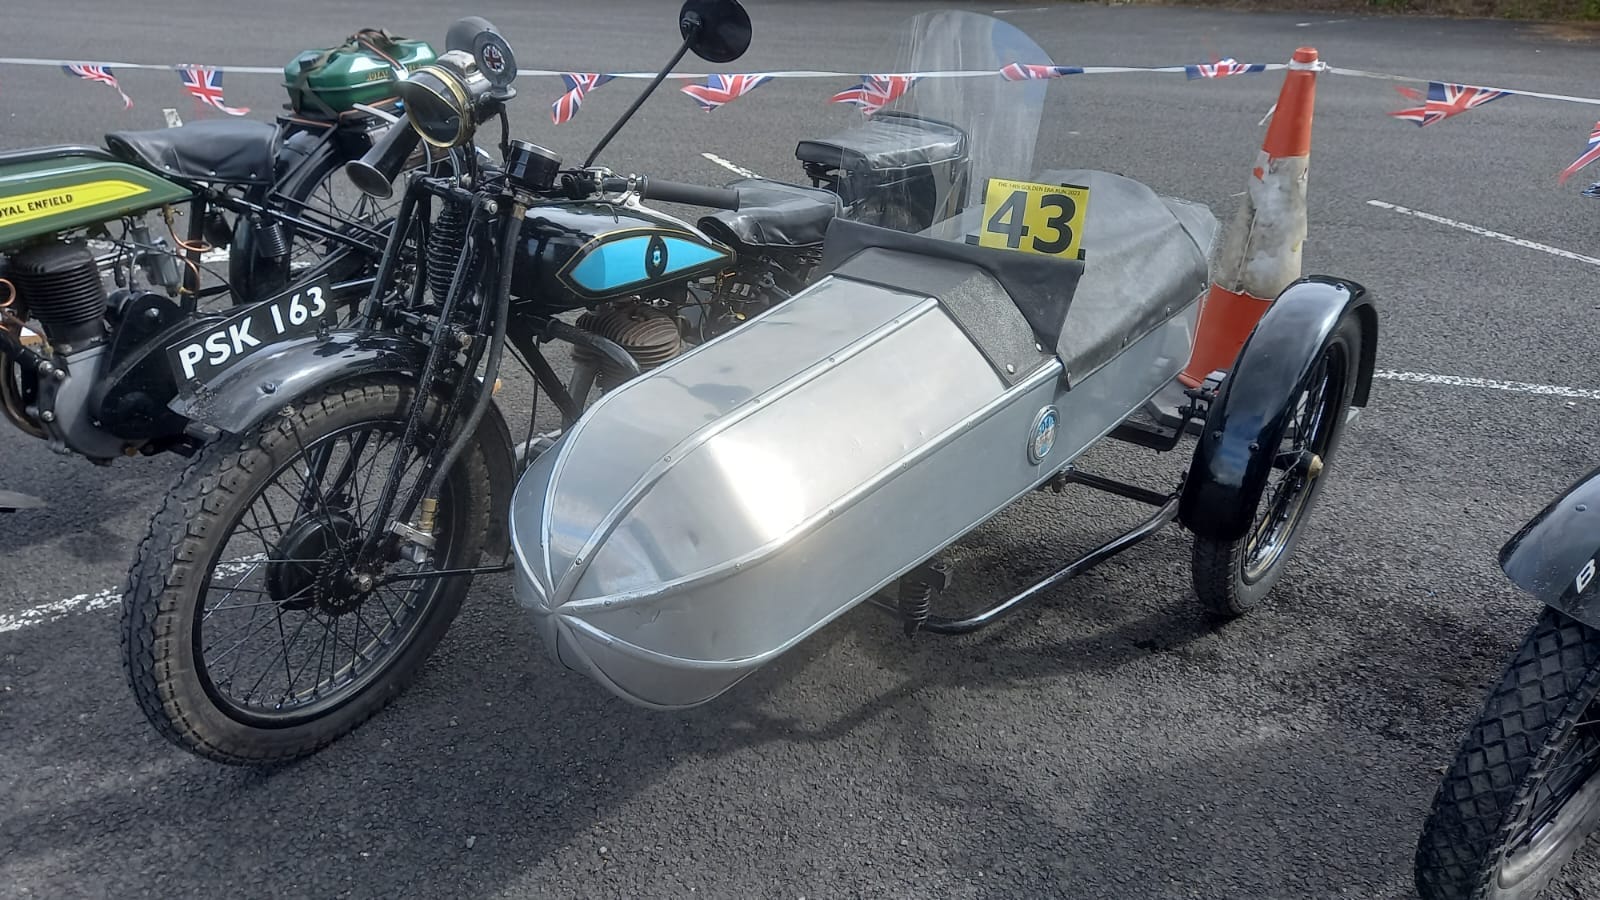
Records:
x=661, y=76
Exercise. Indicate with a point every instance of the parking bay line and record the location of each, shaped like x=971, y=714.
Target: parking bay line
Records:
x=1474, y=229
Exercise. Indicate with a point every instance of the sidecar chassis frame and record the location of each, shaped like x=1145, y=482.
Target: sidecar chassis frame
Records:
x=931, y=577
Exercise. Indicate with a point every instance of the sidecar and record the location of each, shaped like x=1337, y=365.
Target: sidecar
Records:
x=702, y=519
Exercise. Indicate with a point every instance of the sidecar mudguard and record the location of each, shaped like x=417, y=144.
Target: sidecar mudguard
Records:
x=277, y=376
x=1555, y=555
x=1228, y=473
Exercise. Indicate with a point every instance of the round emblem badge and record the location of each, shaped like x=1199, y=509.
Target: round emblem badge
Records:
x=493, y=59
x=1042, y=439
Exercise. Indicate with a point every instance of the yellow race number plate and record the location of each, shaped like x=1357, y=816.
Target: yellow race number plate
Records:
x=1046, y=219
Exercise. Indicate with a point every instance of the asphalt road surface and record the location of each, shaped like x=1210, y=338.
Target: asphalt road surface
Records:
x=1101, y=743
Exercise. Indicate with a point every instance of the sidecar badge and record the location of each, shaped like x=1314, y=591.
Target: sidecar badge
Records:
x=1043, y=437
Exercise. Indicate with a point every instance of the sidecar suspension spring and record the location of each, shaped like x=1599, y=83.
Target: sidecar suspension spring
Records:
x=917, y=590
x=445, y=242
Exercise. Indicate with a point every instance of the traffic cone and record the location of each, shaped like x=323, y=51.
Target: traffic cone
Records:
x=1260, y=253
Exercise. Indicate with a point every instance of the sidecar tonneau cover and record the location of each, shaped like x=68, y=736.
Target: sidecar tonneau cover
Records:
x=227, y=151
x=1146, y=259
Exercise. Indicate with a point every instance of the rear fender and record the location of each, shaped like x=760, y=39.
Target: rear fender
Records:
x=1228, y=473
x=278, y=376
x=1555, y=556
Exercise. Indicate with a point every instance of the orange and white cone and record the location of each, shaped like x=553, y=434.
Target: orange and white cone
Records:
x=1260, y=251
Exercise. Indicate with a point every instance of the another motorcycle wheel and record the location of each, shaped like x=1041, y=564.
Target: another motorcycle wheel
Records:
x=1232, y=577
x=1521, y=796
x=251, y=633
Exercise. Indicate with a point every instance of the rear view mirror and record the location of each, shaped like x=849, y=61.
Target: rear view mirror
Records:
x=716, y=30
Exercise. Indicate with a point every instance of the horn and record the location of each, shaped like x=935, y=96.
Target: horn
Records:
x=375, y=172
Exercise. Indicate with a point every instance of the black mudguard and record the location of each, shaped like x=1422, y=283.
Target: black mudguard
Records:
x=267, y=381
x=1555, y=556
x=1228, y=474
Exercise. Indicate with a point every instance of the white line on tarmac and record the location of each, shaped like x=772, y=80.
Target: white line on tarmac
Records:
x=1323, y=22
x=731, y=167
x=81, y=603
x=1521, y=387
x=1510, y=239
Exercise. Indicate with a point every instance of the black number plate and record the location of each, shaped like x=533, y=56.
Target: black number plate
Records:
x=203, y=356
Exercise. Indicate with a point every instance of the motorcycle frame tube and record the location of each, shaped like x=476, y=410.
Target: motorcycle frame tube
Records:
x=1555, y=555
x=1229, y=472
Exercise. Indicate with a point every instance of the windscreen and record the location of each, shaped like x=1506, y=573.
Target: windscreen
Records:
x=969, y=105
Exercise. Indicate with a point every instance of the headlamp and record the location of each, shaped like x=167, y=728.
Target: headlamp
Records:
x=442, y=99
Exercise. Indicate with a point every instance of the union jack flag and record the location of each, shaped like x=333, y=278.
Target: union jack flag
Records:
x=205, y=85
x=1222, y=69
x=720, y=89
x=1444, y=101
x=101, y=74
x=875, y=92
x=578, y=84
x=1589, y=156
x=1030, y=72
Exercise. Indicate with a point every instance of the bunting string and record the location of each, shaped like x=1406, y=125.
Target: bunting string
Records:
x=1439, y=101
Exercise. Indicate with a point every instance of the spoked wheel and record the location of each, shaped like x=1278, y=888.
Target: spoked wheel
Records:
x=1521, y=797
x=1232, y=577
x=255, y=630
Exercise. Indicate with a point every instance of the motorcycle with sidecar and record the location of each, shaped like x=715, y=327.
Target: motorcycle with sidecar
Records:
x=970, y=321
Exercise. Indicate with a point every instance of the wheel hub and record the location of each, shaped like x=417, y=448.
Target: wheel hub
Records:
x=311, y=567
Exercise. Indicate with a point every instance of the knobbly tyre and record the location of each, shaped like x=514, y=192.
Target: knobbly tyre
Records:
x=94, y=373
x=1521, y=796
x=358, y=474
x=707, y=516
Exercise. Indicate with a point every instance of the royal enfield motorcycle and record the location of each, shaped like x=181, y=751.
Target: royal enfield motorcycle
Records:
x=91, y=301
x=1522, y=795
x=974, y=324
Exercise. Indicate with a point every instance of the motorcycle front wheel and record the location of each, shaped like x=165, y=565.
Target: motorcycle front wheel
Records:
x=1521, y=796
x=252, y=631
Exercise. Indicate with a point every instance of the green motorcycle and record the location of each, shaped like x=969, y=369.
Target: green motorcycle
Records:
x=99, y=278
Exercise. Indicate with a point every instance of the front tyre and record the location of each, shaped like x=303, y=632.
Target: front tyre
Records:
x=1232, y=577
x=252, y=632
x=1521, y=796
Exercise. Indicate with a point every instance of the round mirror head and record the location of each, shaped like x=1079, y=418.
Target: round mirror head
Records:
x=717, y=30
x=495, y=59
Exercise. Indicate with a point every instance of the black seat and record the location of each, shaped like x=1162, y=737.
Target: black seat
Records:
x=226, y=151
x=774, y=214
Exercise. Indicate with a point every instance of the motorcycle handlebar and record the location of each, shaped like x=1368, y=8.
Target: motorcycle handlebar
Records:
x=678, y=192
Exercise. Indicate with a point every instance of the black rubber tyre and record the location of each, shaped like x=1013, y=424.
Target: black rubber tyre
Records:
x=1228, y=576
x=164, y=636
x=1513, y=761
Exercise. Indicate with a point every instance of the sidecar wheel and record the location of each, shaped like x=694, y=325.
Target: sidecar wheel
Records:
x=1522, y=795
x=1232, y=577
x=248, y=634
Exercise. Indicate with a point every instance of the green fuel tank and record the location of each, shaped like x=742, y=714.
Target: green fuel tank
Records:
x=50, y=189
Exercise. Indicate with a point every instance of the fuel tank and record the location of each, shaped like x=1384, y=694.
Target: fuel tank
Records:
x=577, y=253
x=50, y=189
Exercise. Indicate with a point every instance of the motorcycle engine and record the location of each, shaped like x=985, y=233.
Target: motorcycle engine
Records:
x=47, y=393
x=649, y=335
x=58, y=283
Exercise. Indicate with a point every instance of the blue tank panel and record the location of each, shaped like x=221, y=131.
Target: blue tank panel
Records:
x=572, y=254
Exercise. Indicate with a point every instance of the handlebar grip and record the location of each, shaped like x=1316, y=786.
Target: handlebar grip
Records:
x=375, y=172
x=691, y=194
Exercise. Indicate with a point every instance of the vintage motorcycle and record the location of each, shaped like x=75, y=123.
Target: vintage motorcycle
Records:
x=84, y=367
x=1522, y=796
x=972, y=326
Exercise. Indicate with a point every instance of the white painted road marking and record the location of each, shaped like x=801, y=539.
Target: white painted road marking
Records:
x=1548, y=390
x=731, y=167
x=82, y=603
x=60, y=609
x=1323, y=22
x=1510, y=239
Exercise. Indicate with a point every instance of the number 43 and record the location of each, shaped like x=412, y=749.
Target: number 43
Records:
x=1049, y=217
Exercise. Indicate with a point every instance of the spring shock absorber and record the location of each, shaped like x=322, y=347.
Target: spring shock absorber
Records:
x=445, y=241
x=917, y=590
